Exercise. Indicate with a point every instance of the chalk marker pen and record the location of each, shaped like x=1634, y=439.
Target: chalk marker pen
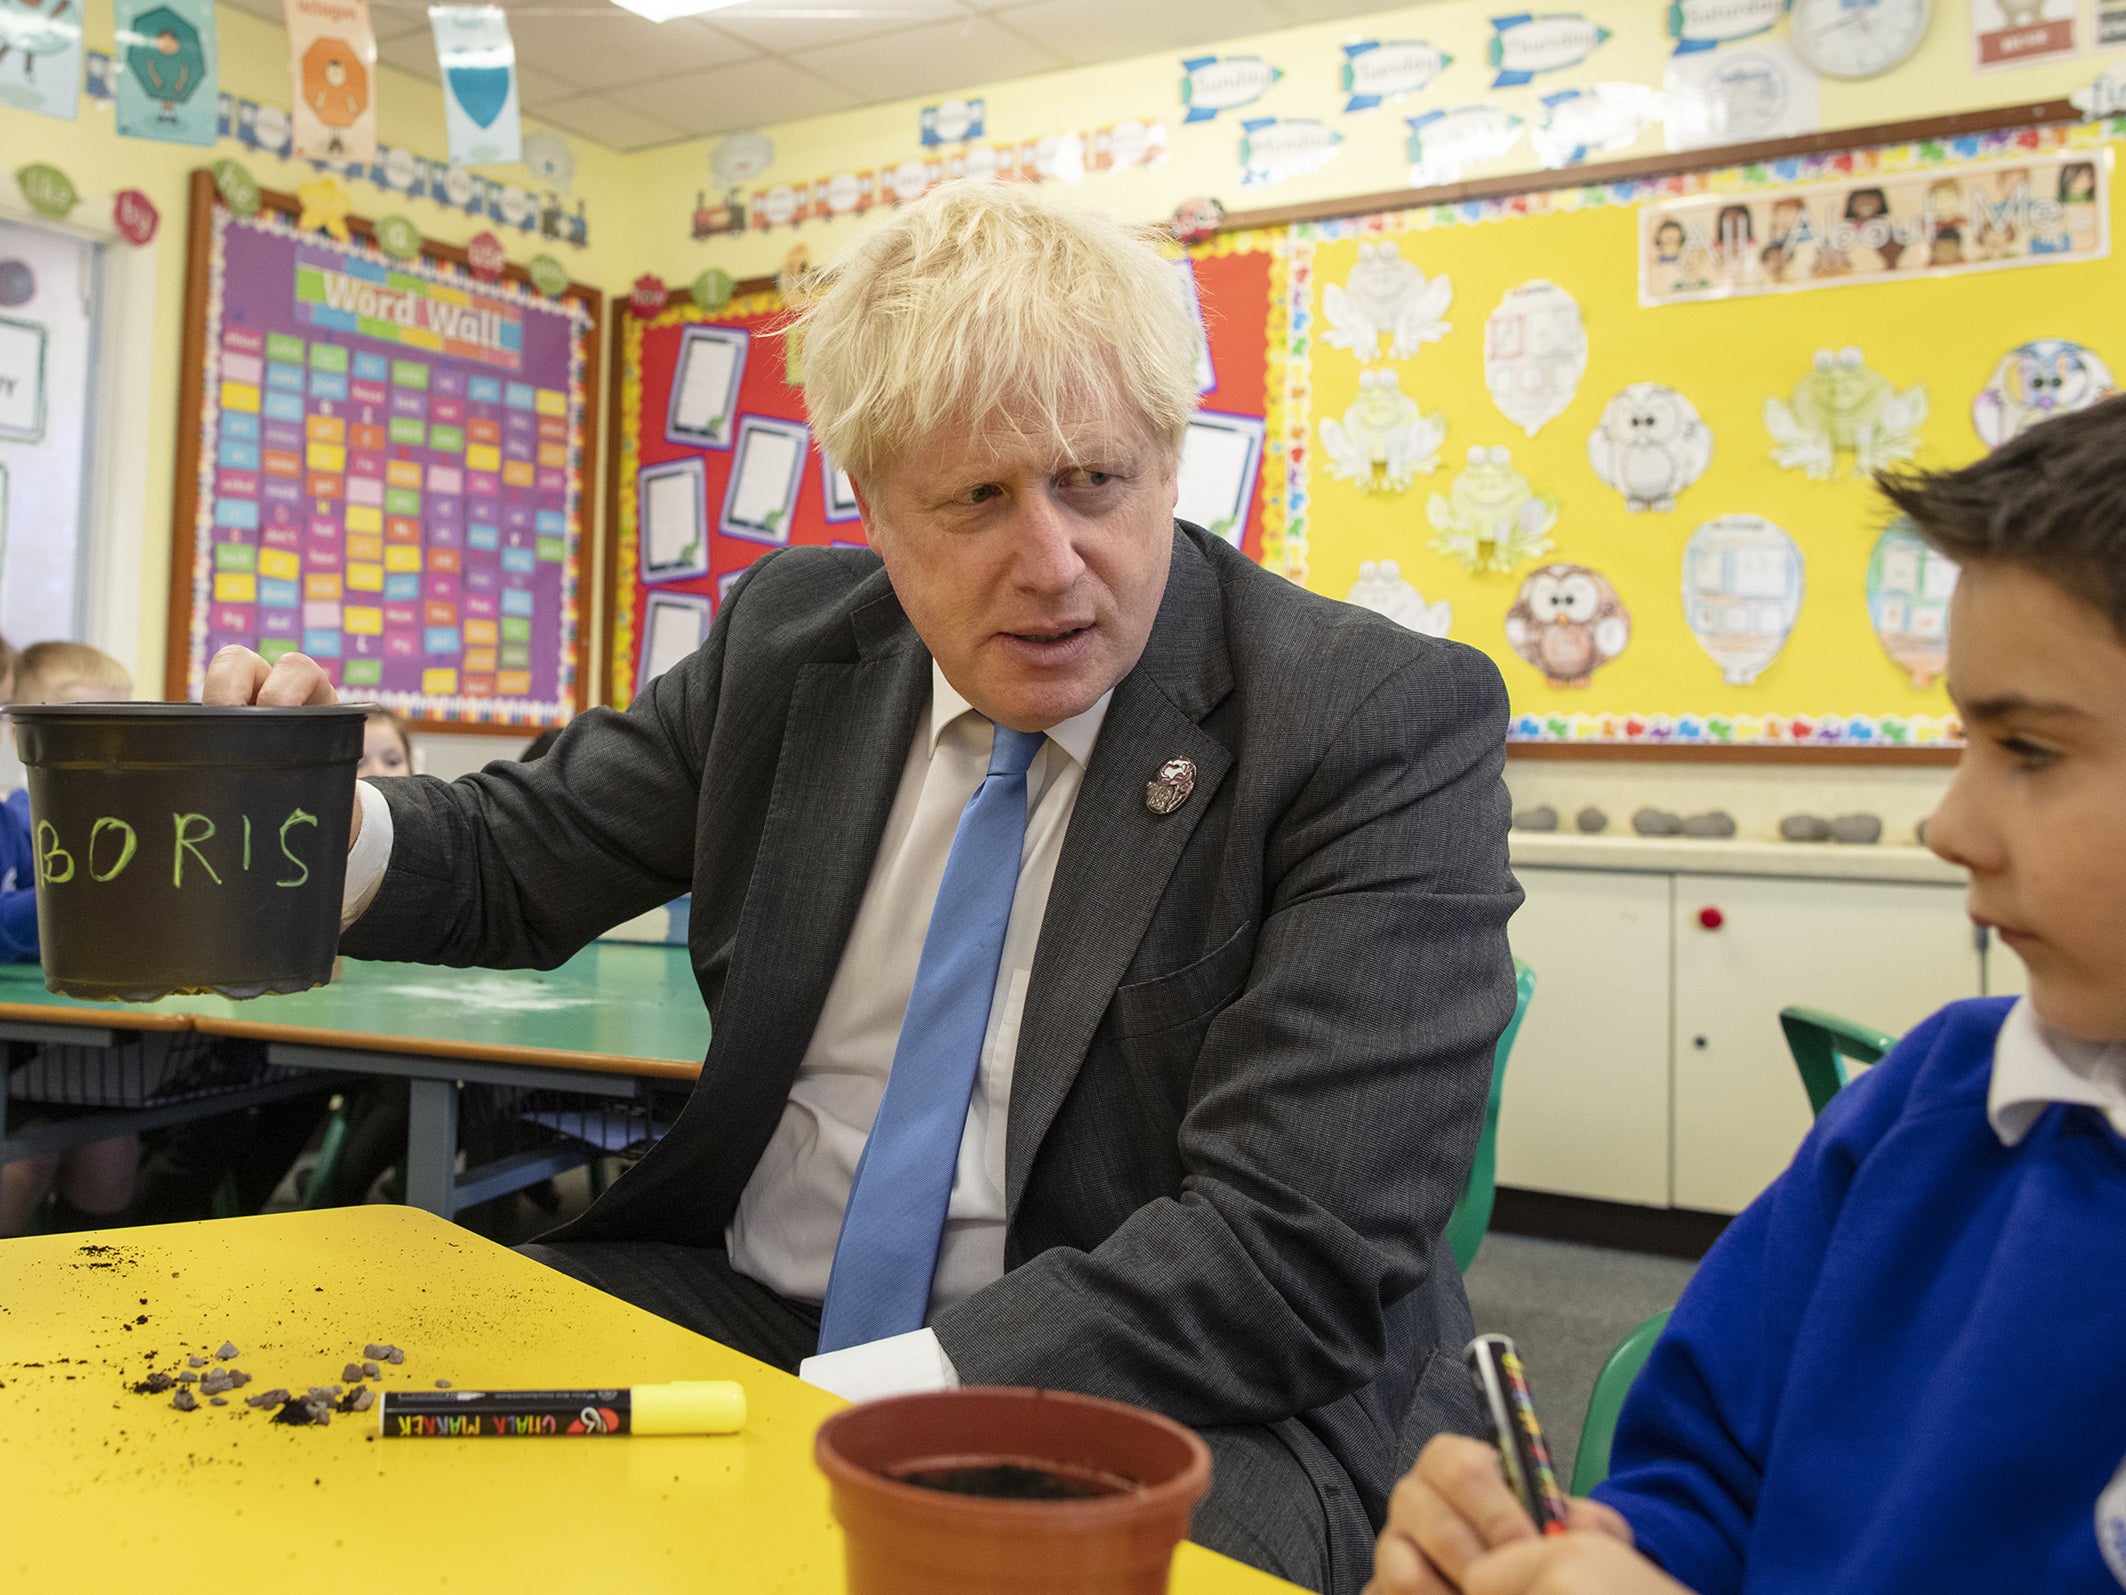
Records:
x=700, y=1406
x=1503, y=1386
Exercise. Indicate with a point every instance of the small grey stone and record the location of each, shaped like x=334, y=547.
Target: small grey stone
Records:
x=371, y=1371
x=226, y=1350
x=1657, y=822
x=217, y=1401
x=1544, y=818
x=195, y=1362
x=442, y=1384
x=1717, y=822
x=214, y=1381
x=352, y=1373
x=184, y=1401
x=1591, y=820
x=266, y=1398
x=188, y=1378
x=1857, y=828
x=363, y=1399
x=1805, y=828
x=395, y=1356
x=238, y=1378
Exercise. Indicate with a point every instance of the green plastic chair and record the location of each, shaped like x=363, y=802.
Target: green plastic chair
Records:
x=1590, y=1464
x=1821, y=1042
x=1472, y=1214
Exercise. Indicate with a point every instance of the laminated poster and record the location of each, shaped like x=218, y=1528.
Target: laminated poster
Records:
x=40, y=57
x=1220, y=455
x=479, y=64
x=675, y=519
x=838, y=493
x=1377, y=71
x=1444, y=145
x=1568, y=622
x=21, y=381
x=1382, y=588
x=952, y=122
x=1535, y=352
x=673, y=627
x=1742, y=586
x=1386, y=296
x=1738, y=96
x=765, y=475
x=1700, y=26
x=166, y=80
x=1273, y=149
x=711, y=364
x=1214, y=83
x=332, y=68
x=1603, y=120
x=2013, y=33
x=1524, y=46
x=2034, y=382
x=2042, y=210
x=1909, y=586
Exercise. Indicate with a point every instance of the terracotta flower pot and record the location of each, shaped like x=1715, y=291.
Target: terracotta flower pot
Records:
x=1142, y=1476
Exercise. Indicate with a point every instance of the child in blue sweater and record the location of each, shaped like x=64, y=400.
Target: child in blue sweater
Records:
x=1903, y=1370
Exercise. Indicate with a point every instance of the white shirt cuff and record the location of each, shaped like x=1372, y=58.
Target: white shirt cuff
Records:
x=369, y=857
x=899, y=1365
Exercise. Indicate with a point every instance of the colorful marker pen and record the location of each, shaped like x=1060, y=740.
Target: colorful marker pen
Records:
x=701, y=1406
x=1503, y=1385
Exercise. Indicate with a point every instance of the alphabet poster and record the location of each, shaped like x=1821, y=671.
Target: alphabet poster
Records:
x=390, y=476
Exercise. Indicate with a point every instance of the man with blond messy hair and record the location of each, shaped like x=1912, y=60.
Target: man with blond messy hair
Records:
x=1105, y=938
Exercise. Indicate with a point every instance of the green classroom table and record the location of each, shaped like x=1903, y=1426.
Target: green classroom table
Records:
x=613, y=1022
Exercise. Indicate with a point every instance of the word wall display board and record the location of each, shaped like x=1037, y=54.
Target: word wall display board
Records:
x=715, y=464
x=387, y=474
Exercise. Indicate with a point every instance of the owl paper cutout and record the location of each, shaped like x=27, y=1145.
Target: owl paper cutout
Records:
x=1385, y=297
x=1384, y=439
x=1742, y=585
x=1909, y=586
x=1845, y=406
x=1650, y=445
x=1382, y=588
x=1490, y=518
x=2033, y=383
x=1568, y=622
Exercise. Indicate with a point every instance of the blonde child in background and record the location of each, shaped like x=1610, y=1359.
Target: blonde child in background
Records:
x=387, y=746
x=96, y=1180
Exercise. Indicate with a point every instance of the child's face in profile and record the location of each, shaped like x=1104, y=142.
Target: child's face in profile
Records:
x=2035, y=814
x=382, y=751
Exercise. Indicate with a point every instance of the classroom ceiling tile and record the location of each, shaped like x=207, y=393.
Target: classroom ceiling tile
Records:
x=1329, y=10
x=614, y=49
x=770, y=25
x=609, y=120
x=726, y=98
x=930, y=59
x=1087, y=31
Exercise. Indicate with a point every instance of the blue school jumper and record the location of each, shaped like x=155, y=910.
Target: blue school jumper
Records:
x=1903, y=1370
x=18, y=882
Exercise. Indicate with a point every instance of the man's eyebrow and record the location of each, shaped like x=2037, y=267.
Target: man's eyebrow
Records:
x=2016, y=703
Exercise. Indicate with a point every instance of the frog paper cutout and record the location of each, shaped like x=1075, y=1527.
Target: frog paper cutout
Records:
x=1384, y=439
x=1386, y=296
x=1382, y=588
x=1490, y=518
x=1844, y=405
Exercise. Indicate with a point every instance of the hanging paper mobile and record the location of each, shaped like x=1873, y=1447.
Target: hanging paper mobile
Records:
x=1384, y=439
x=1909, y=587
x=1742, y=585
x=1385, y=296
x=1845, y=405
x=1535, y=352
x=1490, y=518
x=1650, y=445
x=1568, y=622
x=1382, y=588
x=2034, y=382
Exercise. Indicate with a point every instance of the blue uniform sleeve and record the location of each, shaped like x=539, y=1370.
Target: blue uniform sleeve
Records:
x=1692, y=1438
x=18, y=872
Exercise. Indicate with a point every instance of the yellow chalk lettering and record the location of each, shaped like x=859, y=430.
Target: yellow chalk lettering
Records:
x=125, y=848
x=188, y=842
x=49, y=856
x=297, y=818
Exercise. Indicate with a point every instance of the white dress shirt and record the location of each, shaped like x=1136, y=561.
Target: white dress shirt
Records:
x=2035, y=1065
x=789, y=1215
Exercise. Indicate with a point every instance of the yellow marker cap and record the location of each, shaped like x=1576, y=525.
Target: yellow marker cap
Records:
x=689, y=1406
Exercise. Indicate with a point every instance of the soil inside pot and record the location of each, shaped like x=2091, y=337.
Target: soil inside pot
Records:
x=1013, y=1479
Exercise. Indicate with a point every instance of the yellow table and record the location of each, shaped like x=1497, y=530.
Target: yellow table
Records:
x=103, y=1489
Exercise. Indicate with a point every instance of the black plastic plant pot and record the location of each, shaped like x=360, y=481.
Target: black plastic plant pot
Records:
x=180, y=848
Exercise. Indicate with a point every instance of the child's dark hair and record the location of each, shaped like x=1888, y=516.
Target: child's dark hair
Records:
x=2052, y=499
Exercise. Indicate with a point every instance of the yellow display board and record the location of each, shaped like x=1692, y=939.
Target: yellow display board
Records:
x=1833, y=681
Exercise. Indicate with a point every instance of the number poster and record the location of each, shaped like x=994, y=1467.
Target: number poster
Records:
x=390, y=465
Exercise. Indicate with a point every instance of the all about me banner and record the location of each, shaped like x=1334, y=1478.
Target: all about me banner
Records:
x=2048, y=209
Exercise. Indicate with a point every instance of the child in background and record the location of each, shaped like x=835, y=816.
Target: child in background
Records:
x=94, y=1181
x=387, y=746
x=1899, y=1371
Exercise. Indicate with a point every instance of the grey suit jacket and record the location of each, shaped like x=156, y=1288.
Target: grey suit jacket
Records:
x=1257, y=1038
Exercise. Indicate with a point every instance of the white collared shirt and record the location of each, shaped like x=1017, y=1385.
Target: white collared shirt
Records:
x=2036, y=1065
x=789, y=1215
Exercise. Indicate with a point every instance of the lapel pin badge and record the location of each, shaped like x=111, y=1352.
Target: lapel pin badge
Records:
x=1169, y=789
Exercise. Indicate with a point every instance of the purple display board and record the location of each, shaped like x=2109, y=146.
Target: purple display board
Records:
x=390, y=468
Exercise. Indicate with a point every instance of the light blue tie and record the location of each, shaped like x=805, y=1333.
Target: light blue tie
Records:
x=896, y=1215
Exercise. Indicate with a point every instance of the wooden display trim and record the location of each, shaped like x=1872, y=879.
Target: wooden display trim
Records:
x=191, y=397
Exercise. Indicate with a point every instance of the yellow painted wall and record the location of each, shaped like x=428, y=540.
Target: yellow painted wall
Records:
x=640, y=205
